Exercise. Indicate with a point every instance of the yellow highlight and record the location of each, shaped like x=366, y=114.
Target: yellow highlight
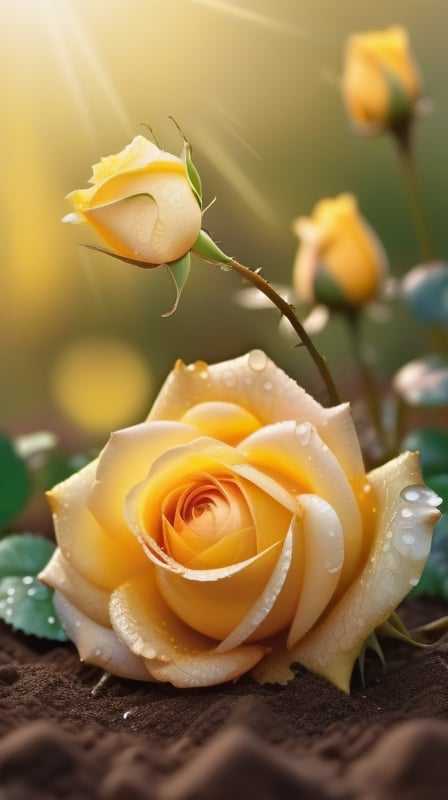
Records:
x=101, y=384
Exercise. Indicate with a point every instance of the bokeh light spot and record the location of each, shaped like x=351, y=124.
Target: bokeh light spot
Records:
x=101, y=384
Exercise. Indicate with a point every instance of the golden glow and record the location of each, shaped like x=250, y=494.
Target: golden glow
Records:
x=101, y=384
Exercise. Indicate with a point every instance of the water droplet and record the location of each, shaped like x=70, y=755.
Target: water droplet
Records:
x=9, y=600
x=229, y=378
x=51, y=620
x=248, y=380
x=10, y=591
x=303, y=433
x=9, y=612
x=420, y=494
x=98, y=652
x=27, y=580
x=389, y=534
x=367, y=488
x=331, y=568
x=408, y=538
x=126, y=714
x=257, y=360
x=406, y=513
x=31, y=592
x=267, y=386
x=413, y=581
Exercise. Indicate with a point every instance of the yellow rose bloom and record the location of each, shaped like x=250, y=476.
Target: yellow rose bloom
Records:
x=381, y=82
x=235, y=529
x=141, y=203
x=340, y=261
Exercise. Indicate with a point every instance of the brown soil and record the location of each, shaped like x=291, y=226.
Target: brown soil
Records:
x=306, y=741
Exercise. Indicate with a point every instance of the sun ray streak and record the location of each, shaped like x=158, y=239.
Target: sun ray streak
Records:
x=253, y=17
x=218, y=155
x=100, y=73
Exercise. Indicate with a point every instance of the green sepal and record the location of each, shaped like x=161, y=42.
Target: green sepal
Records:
x=207, y=249
x=425, y=292
x=15, y=486
x=25, y=603
x=327, y=292
x=394, y=629
x=179, y=272
x=400, y=102
x=192, y=173
x=133, y=261
x=371, y=643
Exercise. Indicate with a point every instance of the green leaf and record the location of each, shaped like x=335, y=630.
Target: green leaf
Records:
x=15, y=486
x=425, y=292
x=179, y=272
x=25, y=603
x=423, y=382
x=432, y=444
x=206, y=248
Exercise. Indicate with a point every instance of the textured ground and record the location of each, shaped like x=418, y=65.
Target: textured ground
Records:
x=308, y=741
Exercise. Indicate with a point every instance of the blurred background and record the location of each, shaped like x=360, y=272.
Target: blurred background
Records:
x=255, y=86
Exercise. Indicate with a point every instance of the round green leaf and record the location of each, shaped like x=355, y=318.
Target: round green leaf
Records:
x=25, y=603
x=432, y=444
x=423, y=382
x=14, y=481
x=425, y=292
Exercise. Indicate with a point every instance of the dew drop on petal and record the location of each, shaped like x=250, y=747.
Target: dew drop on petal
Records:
x=51, y=620
x=229, y=378
x=303, y=433
x=406, y=513
x=27, y=580
x=267, y=386
x=257, y=360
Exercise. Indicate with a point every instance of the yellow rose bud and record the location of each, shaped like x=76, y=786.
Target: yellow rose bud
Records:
x=142, y=204
x=235, y=529
x=340, y=262
x=381, y=82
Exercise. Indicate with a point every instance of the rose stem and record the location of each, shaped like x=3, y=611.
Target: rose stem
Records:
x=403, y=140
x=353, y=319
x=287, y=310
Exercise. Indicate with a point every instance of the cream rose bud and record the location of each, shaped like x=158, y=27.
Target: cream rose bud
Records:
x=141, y=204
x=235, y=529
x=340, y=262
x=381, y=82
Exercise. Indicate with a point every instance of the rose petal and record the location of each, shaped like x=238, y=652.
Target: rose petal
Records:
x=252, y=381
x=97, y=644
x=323, y=560
x=266, y=600
x=150, y=214
x=83, y=543
x=297, y=453
x=398, y=555
x=207, y=669
x=172, y=651
x=125, y=461
x=227, y=422
x=89, y=599
x=215, y=607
